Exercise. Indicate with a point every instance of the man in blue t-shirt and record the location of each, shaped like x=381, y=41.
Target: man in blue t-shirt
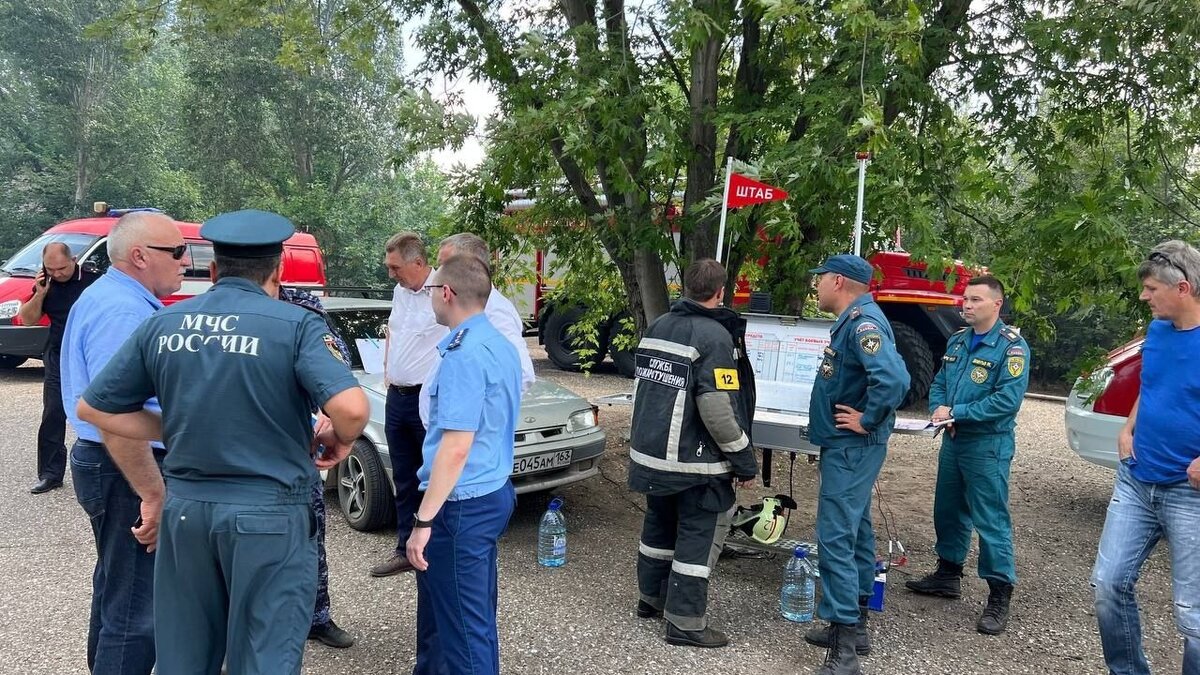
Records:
x=468, y=497
x=1157, y=490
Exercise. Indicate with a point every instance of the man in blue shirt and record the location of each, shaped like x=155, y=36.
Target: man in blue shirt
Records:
x=860, y=383
x=147, y=253
x=468, y=457
x=237, y=373
x=1157, y=489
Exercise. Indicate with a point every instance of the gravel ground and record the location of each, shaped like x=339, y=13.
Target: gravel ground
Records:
x=579, y=618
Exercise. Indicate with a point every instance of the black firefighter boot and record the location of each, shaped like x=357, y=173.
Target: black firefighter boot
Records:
x=841, y=659
x=995, y=616
x=944, y=582
x=819, y=636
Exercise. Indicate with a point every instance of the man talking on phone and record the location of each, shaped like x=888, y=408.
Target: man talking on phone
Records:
x=55, y=291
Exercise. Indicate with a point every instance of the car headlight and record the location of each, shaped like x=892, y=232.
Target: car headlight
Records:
x=584, y=419
x=9, y=309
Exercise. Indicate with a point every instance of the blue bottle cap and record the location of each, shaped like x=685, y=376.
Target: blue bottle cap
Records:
x=556, y=503
x=801, y=552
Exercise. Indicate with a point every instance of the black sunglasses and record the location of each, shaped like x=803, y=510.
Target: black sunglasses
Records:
x=1160, y=257
x=175, y=251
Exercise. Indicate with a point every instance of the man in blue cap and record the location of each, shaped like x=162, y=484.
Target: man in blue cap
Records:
x=236, y=373
x=859, y=385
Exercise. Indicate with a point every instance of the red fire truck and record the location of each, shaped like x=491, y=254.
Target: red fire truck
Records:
x=923, y=312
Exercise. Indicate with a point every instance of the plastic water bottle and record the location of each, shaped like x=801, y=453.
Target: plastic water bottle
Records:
x=799, y=593
x=552, y=536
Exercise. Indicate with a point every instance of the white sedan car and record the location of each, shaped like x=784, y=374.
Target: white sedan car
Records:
x=558, y=438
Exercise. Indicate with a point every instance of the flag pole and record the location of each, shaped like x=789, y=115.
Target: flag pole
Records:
x=724, y=207
x=862, y=181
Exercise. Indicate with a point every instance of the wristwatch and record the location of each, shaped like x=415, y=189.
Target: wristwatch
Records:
x=417, y=522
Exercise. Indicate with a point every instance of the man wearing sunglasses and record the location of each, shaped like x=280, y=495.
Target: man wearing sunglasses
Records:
x=1157, y=490
x=147, y=254
x=55, y=291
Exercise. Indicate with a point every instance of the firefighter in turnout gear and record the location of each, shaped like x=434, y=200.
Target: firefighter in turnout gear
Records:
x=692, y=411
x=981, y=385
x=860, y=383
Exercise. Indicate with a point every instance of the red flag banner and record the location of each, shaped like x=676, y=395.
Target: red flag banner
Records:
x=748, y=192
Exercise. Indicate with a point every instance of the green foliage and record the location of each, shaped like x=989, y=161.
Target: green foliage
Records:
x=204, y=110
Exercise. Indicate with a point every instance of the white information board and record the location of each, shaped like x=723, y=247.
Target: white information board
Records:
x=785, y=353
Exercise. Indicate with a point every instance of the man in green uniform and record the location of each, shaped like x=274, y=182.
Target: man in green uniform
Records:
x=236, y=372
x=859, y=385
x=980, y=387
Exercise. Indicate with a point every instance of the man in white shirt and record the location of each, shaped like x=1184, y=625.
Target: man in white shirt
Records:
x=500, y=311
x=411, y=354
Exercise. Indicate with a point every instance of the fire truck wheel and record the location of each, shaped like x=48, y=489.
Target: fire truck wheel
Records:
x=8, y=362
x=918, y=357
x=364, y=494
x=562, y=347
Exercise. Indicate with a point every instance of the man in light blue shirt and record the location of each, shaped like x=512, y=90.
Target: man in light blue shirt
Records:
x=147, y=252
x=468, y=497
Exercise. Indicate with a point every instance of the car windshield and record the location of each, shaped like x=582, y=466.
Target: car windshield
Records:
x=28, y=261
x=360, y=324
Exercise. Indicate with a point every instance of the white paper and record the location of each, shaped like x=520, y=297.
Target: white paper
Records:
x=371, y=353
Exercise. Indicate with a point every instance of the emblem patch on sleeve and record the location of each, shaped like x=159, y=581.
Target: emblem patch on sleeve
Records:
x=1016, y=365
x=979, y=374
x=726, y=379
x=870, y=343
x=331, y=345
x=864, y=327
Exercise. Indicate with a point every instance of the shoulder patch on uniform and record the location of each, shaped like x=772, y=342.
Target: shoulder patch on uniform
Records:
x=1016, y=365
x=458, y=338
x=856, y=312
x=1016, y=350
x=726, y=379
x=870, y=343
x=864, y=327
x=331, y=345
x=1010, y=334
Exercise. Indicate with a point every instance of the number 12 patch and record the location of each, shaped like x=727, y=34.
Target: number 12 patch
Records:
x=727, y=378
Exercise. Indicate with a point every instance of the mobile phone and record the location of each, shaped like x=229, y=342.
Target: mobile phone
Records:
x=45, y=276
x=137, y=523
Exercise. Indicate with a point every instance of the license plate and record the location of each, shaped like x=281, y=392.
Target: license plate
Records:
x=546, y=462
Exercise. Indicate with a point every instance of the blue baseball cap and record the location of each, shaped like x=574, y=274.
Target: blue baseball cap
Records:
x=850, y=266
x=248, y=234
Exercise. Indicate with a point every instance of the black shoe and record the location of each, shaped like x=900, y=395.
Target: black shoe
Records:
x=820, y=636
x=944, y=582
x=646, y=610
x=329, y=634
x=708, y=638
x=995, y=616
x=45, y=485
x=841, y=658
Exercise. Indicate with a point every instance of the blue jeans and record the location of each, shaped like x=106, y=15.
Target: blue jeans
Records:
x=456, y=596
x=121, y=629
x=1140, y=514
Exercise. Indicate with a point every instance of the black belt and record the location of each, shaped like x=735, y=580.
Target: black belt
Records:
x=405, y=390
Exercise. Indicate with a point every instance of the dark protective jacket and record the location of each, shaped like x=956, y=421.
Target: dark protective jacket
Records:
x=693, y=402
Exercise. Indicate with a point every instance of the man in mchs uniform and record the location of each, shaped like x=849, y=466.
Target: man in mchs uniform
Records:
x=237, y=373
x=860, y=383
